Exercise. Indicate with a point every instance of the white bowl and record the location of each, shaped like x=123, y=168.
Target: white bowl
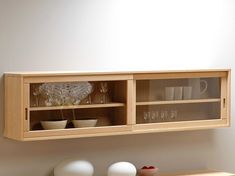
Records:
x=84, y=123
x=51, y=125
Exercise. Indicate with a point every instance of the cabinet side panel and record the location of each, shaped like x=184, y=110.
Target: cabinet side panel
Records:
x=225, y=98
x=229, y=97
x=13, y=107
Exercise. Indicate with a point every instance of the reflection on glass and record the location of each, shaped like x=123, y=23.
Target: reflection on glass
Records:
x=177, y=89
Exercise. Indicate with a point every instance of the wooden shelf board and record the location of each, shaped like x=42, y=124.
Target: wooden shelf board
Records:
x=77, y=132
x=178, y=102
x=77, y=106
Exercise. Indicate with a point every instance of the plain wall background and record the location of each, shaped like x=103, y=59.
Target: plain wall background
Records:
x=113, y=35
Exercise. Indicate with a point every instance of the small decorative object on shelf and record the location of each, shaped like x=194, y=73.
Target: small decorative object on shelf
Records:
x=74, y=168
x=36, y=94
x=122, y=169
x=84, y=123
x=55, y=124
x=160, y=115
x=148, y=171
x=104, y=91
x=89, y=98
x=51, y=125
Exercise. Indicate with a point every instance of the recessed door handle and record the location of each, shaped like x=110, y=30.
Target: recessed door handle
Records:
x=26, y=113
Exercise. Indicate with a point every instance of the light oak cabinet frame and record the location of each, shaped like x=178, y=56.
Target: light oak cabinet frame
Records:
x=17, y=108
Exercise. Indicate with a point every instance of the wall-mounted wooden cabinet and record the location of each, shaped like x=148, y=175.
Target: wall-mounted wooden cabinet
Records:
x=120, y=103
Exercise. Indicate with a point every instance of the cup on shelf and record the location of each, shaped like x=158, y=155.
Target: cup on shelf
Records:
x=199, y=87
x=163, y=115
x=151, y=116
x=169, y=93
x=178, y=93
x=173, y=114
x=147, y=116
x=187, y=92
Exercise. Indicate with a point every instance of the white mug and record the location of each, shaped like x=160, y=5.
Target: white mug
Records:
x=187, y=92
x=199, y=87
x=169, y=93
x=178, y=94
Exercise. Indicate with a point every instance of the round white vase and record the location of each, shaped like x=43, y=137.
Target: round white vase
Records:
x=74, y=168
x=122, y=169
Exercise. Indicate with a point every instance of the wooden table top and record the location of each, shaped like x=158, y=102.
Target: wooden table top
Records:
x=200, y=173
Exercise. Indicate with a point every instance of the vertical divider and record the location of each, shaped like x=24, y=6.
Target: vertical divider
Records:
x=224, y=98
x=26, y=107
x=131, y=102
x=228, y=97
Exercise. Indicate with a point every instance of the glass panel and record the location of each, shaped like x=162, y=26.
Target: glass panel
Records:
x=77, y=104
x=77, y=93
x=178, y=112
x=177, y=89
x=102, y=116
x=169, y=100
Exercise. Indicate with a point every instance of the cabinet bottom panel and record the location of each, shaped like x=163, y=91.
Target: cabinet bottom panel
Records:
x=180, y=126
x=78, y=132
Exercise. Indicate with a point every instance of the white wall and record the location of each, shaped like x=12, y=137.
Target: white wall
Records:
x=98, y=35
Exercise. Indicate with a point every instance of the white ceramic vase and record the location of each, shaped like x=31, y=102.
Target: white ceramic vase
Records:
x=122, y=169
x=74, y=168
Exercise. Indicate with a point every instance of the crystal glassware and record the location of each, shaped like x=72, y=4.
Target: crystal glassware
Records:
x=146, y=116
x=103, y=90
x=36, y=94
x=65, y=93
x=89, y=100
x=173, y=114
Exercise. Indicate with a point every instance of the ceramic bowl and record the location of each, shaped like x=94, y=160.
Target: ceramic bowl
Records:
x=51, y=125
x=84, y=123
x=148, y=172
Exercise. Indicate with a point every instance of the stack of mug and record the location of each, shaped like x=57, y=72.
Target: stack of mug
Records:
x=178, y=93
x=196, y=89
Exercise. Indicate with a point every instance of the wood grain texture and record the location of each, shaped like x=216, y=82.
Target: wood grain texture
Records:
x=178, y=102
x=70, y=73
x=131, y=102
x=14, y=110
x=179, y=126
x=77, y=132
x=172, y=75
x=106, y=105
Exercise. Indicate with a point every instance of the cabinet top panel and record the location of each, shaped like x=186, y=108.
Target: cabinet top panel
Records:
x=71, y=73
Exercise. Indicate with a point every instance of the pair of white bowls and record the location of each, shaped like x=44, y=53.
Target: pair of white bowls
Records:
x=61, y=124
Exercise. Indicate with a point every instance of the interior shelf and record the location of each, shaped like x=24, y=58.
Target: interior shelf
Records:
x=178, y=102
x=107, y=105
